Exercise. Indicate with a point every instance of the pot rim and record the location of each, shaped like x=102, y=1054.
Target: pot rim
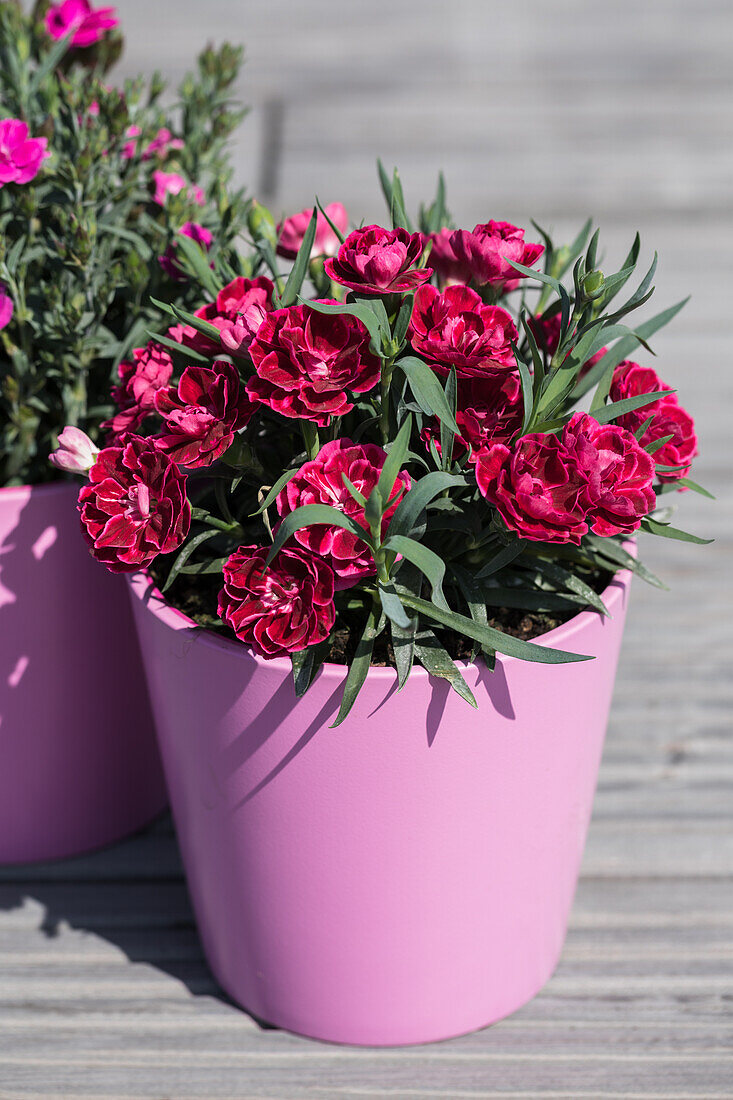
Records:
x=144, y=589
x=46, y=488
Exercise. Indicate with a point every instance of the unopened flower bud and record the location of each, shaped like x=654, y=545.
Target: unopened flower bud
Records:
x=593, y=285
x=76, y=454
x=261, y=223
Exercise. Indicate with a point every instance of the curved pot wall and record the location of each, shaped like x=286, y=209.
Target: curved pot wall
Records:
x=403, y=878
x=80, y=766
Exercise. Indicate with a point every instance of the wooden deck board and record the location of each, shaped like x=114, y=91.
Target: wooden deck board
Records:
x=552, y=111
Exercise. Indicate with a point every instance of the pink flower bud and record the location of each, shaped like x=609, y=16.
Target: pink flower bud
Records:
x=76, y=453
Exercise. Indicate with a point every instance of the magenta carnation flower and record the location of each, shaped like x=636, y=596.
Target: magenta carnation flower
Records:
x=140, y=380
x=291, y=232
x=282, y=610
x=619, y=475
x=379, y=261
x=321, y=482
x=482, y=255
x=171, y=183
x=6, y=307
x=134, y=506
x=669, y=418
x=307, y=363
x=79, y=16
x=456, y=329
x=202, y=415
x=20, y=155
x=239, y=310
x=490, y=410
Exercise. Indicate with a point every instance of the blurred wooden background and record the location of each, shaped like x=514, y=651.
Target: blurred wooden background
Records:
x=552, y=111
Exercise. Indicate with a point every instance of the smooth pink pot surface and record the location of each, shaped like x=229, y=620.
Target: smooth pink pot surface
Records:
x=404, y=878
x=79, y=762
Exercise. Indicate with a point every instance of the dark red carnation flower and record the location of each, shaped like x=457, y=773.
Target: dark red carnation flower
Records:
x=669, y=418
x=374, y=260
x=456, y=329
x=202, y=415
x=537, y=487
x=134, y=506
x=618, y=471
x=140, y=380
x=308, y=362
x=240, y=307
x=321, y=482
x=283, y=610
x=482, y=255
x=490, y=410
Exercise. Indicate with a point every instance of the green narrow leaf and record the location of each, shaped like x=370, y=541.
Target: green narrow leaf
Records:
x=360, y=665
x=667, y=532
x=618, y=408
x=358, y=497
x=447, y=436
x=437, y=662
x=527, y=390
x=306, y=664
x=392, y=605
x=393, y=464
x=309, y=514
x=173, y=345
x=275, y=490
x=188, y=318
x=612, y=552
x=339, y=235
x=199, y=263
x=427, y=390
x=420, y=495
x=690, y=484
x=356, y=309
x=624, y=348
x=299, y=270
x=426, y=560
x=403, y=645
x=572, y=583
x=495, y=639
x=185, y=554
x=506, y=555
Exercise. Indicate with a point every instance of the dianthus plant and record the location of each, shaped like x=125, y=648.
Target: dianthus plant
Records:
x=101, y=190
x=384, y=437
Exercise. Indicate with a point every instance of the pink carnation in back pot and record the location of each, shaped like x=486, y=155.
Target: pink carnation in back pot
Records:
x=134, y=506
x=171, y=183
x=20, y=155
x=379, y=261
x=482, y=255
x=456, y=329
x=283, y=609
x=291, y=232
x=88, y=24
x=6, y=307
x=322, y=482
x=307, y=362
x=669, y=419
x=202, y=415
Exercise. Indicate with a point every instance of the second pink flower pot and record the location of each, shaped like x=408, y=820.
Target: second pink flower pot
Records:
x=79, y=765
x=404, y=878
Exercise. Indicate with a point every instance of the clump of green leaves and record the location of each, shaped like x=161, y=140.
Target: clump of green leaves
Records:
x=80, y=243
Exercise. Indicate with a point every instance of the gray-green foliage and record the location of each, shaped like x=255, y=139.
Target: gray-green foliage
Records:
x=79, y=244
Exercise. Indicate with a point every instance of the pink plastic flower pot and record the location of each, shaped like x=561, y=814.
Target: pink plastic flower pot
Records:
x=80, y=765
x=404, y=878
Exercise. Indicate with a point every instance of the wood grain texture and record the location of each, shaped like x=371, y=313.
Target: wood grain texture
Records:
x=545, y=110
